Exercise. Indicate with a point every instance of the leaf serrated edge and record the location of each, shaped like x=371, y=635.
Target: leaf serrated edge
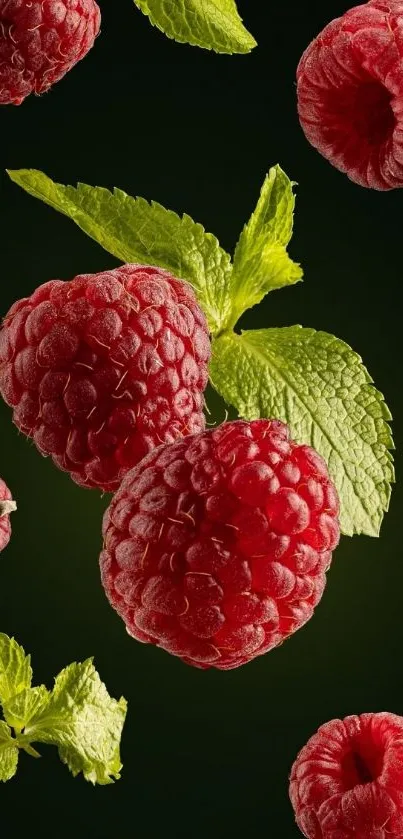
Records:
x=69, y=206
x=250, y=42
x=387, y=444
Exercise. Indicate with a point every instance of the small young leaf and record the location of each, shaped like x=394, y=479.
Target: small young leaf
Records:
x=8, y=753
x=212, y=24
x=261, y=262
x=84, y=722
x=319, y=386
x=135, y=231
x=15, y=669
x=20, y=709
x=273, y=218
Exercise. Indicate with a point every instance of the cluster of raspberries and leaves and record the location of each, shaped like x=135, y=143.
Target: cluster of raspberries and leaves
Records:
x=41, y=40
x=349, y=79
x=78, y=716
x=216, y=542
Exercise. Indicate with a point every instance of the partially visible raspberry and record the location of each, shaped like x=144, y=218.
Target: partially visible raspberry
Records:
x=102, y=369
x=7, y=506
x=40, y=41
x=347, y=782
x=216, y=547
x=350, y=89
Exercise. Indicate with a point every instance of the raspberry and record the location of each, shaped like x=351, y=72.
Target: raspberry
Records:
x=7, y=506
x=40, y=41
x=350, y=89
x=216, y=546
x=102, y=369
x=347, y=782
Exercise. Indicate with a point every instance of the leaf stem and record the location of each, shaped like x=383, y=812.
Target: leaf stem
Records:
x=23, y=743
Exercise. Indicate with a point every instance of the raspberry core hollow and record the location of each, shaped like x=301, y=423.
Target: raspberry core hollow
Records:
x=347, y=782
x=350, y=93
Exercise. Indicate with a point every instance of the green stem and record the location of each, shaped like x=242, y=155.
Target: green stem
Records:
x=23, y=743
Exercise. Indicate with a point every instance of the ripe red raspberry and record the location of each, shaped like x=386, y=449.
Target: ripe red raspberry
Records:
x=102, y=369
x=350, y=89
x=7, y=506
x=40, y=41
x=216, y=547
x=347, y=782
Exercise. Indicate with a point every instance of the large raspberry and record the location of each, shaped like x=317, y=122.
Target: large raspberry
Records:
x=350, y=93
x=216, y=547
x=40, y=41
x=7, y=505
x=347, y=782
x=102, y=369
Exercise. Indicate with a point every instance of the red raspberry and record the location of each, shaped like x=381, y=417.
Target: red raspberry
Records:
x=40, y=41
x=7, y=506
x=216, y=547
x=347, y=782
x=102, y=369
x=350, y=93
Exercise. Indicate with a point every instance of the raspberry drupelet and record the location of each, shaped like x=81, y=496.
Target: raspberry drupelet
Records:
x=101, y=369
x=347, y=782
x=7, y=506
x=216, y=547
x=40, y=41
x=350, y=93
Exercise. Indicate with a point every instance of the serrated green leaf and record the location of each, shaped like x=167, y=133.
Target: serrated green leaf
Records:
x=135, y=231
x=211, y=24
x=8, y=753
x=318, y=385
x=261, y=261
x=20, y=709
x=273, y=218
x=84, y=722
x=15, y=669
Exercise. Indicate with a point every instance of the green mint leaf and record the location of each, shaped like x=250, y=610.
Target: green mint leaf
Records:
x=15, y=669
x=84, y=722
x=20, y=709
x=212, y=24
x=273, y=217
x=135, y=231
x=261, y=261
x=8, y=753
x=78, y=716
x=319, y=386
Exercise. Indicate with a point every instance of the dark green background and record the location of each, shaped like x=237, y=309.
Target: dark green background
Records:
x=206, y=754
